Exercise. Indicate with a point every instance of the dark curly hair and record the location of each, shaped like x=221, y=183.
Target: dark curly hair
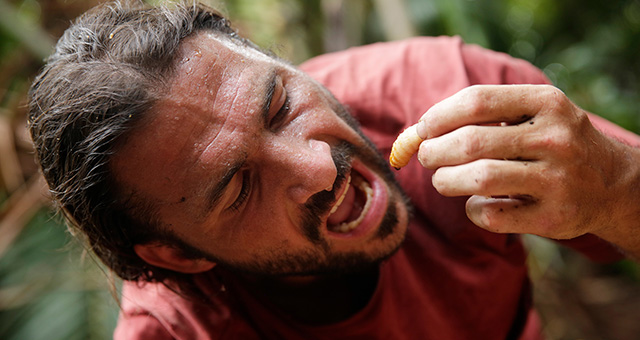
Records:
x=106, y=72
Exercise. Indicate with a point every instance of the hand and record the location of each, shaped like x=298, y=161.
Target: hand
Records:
x=532, y=163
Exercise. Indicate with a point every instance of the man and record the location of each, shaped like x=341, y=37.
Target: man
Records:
x=239, y=199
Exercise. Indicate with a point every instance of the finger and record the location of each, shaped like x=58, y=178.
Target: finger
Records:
x=504, y=214
x=523, y=215
x=471, y=142
x=489, y=177
x=485, y=104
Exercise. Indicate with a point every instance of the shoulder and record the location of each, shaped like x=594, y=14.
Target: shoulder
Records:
x=143, y=314
x=386, y=86
x=387, y=51
x=485, y=66
x=153, y=311
x=420, y=61
x=444, y=61
x=394, y=83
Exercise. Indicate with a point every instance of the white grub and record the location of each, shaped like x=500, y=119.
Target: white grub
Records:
x=407, y=144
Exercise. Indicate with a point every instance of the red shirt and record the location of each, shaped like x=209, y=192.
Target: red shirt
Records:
x=449, y=280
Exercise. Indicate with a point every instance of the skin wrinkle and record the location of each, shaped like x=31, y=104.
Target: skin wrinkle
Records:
x=237, y=98
x=218, y=189
x=217, y=84
x=267, y=236
x=215, y=194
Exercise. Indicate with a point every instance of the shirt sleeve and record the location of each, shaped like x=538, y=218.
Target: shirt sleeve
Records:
x=490, y=67
x=142, y=327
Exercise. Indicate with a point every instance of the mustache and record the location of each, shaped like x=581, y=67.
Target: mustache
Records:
x=320, y=203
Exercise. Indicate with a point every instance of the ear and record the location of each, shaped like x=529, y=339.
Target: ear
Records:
x=167, y=257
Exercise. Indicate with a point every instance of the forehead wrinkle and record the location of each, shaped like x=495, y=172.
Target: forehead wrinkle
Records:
x=218, y=115
x=234, y=110
x=215, y=193
x=221, y=116
x=246, y=99
x=269, y=89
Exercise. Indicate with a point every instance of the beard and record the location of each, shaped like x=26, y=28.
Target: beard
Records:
x=320, y=203
x=319, y=258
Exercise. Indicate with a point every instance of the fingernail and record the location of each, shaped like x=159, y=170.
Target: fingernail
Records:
x=421, y=129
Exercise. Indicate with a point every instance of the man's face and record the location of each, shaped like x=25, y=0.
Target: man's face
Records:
x=253, y=164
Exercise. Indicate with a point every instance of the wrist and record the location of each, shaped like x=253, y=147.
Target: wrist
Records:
x=623, y=226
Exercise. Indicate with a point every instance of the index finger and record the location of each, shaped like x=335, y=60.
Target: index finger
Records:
x=483, y=105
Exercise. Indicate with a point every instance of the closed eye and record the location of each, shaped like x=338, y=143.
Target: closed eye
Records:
x=244, y=192
x=277, y=120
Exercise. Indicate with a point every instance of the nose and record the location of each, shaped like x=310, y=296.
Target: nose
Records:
x=302, y=168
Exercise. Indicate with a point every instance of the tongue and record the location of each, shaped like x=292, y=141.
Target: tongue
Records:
x=343, y=212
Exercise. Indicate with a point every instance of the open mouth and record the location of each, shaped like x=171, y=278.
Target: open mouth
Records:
x=351, y=206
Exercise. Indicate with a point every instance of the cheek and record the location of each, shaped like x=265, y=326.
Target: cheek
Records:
x=259, y=226
x=276, y=221
x=350, y=120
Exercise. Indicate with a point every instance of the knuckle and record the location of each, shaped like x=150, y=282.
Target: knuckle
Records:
x=552, y=90
x=471, y=143
x=558, y=139
x=553, y=94
x=485, y=176
x=474, y=100
x=582, y=121
x=556, y=101
x=552, y=177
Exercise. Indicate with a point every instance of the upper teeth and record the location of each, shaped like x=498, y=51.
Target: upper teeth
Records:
x=341, y=198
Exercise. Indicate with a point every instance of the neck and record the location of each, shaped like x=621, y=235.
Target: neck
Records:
x=317, y=300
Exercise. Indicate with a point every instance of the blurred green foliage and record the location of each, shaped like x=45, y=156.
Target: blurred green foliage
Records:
x=48, y=292
x=587, y=48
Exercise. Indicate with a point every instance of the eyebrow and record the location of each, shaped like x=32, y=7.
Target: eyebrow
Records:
x=215, y=193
